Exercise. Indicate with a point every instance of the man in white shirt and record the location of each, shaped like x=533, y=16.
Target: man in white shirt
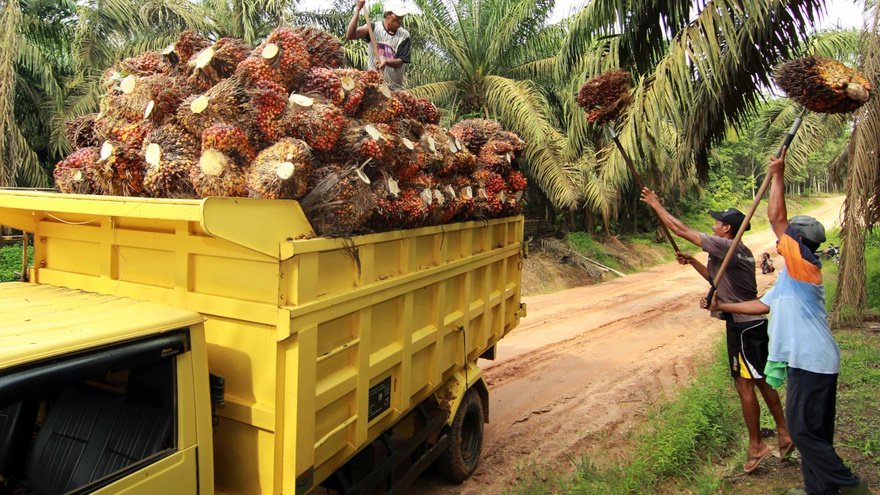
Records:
x=393, y=42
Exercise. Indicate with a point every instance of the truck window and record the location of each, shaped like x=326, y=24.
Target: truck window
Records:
x=80, y=422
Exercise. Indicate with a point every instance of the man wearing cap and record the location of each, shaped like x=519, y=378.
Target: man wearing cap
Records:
x=801, y=345
x=392, y=41
x=746, y=334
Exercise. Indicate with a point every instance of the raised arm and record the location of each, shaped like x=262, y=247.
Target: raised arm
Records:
x=776, y=211
x=754, y=307
x=354, y=32
x=675, y=225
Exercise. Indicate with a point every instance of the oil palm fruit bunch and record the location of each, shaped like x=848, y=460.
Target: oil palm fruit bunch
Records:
x=370, y=141
x=408, y=209
x=166, y=93
x=461, y=161
x=603, y=97
x=281, y=171
x=255, y=70
x=474, y=133
x=131, y=134
x=340, y=201
x=318, y=123
x=80, y=131
x=379, y=106
x=822, y=84
x=324, y=49
x=516, y=182
x=216, y=62
x=119, y=169
x=268, y=103
x=496, y=155
x=221, y=170
x=285, y=51
x=436, y=144
x=145, y=64
x=178, y=54
x=222, y=103
x=426, y=112
x=230, y=140
x=407, y=160
x=76, y=173
x=171, y=154
x=327, y=84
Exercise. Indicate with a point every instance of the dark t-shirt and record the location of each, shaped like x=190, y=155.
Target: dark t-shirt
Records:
x=738, y=283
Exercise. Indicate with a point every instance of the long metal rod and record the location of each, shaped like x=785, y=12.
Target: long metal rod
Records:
x=640, y=185
x=760, y=195
x=24, y=257
x=376, y=56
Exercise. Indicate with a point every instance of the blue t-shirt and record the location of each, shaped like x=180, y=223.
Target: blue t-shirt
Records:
x=799, y=331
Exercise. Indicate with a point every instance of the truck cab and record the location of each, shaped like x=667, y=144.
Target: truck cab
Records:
x=101, y=394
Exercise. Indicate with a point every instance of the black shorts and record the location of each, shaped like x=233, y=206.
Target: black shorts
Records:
x=747, y=343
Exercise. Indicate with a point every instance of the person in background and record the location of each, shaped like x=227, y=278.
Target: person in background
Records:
x=747, y=337
x=801, y=345
x=392, y=41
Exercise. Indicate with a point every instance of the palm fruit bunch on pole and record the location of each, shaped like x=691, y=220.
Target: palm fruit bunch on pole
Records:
x=171, y=155
x=216, y=62
x=318, y=123
x=340, y=201
x=603, y=97
x=119, y=170
x=76, y=173
x=222, y=168
x=281, y=171
x=822, y=84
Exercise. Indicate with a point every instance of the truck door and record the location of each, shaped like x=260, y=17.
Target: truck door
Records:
x=115, y=419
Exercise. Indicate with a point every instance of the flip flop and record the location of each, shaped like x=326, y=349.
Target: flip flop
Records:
x=785, y=452
x=755, y=461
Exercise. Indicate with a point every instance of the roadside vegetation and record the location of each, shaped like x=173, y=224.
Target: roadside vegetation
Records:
x=694, y=442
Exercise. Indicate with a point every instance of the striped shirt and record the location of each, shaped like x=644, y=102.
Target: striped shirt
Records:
x=391, y=46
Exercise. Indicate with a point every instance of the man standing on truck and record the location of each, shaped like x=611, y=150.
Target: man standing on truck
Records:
x=747, y=338
x=392, y=41
x=802, y=344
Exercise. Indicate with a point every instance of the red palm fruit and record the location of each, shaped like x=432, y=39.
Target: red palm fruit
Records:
x=474, y=133
x=286, y=52
x=822, y=84
x=281, y=171
x=145, y=64
x=324, y=49
x=340, y=201
x=130, y=134
x=170, y=153
x=326, y=83
x=75, y=174
x=516, y=182
x=426, y=112
x=254, y=70
x=317, y=123
x=216, y=62
x=603, y=97
x=268, y=103
x=214, y=175
x=497, y=155
x=119, y=170
x=179, y=53
x=80, y=131
x=225, y=102
x=230, y=140
x=379, y=106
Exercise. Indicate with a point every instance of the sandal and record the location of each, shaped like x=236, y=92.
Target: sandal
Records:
x=752, y=462
x=785, y=452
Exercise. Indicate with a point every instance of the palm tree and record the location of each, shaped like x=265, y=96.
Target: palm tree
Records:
x=689, y=86
x=53, y=57
x=486, y=58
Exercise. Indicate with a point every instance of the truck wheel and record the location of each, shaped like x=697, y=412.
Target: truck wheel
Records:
x=465, y=440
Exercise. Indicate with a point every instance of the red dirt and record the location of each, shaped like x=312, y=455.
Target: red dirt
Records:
x=587, y=362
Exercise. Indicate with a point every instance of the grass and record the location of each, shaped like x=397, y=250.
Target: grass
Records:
x=10, y=262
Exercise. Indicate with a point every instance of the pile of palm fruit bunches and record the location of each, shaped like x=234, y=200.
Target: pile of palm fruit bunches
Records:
x=287, y=120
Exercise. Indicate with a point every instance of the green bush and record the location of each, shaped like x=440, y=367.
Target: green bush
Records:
x=10, y=262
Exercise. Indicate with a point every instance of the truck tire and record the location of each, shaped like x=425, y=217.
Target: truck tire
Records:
x=465, y=440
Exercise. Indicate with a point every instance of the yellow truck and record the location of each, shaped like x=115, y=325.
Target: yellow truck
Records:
x=220, y=346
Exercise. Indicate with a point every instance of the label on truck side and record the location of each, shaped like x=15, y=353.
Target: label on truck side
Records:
x=380, y=398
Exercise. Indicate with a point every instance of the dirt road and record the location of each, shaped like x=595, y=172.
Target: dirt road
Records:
x=588, y=361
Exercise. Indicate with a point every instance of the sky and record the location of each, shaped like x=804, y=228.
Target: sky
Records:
x=841, y=13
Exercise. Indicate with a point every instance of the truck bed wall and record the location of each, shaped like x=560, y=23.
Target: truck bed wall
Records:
x=302, y=330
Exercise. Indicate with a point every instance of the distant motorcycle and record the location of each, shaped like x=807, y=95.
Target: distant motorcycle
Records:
x=767, y=264
x=832, y=253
